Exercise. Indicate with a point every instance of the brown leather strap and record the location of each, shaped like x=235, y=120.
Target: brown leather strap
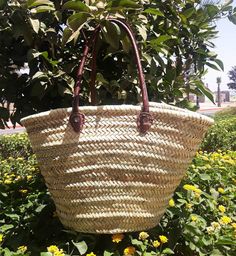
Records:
x=144, y=120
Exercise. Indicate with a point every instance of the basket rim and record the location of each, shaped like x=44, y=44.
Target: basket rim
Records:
x=154, y=107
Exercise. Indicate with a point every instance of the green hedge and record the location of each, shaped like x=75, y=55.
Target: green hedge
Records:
x=199, y=221
x=222, y=135
x=225, y=113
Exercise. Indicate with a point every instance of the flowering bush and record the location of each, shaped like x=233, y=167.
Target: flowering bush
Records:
x=222, y=135
x=200, y=219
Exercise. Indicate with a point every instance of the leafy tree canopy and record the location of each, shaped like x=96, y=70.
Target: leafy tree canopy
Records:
x=232, y=78
x=41, y=44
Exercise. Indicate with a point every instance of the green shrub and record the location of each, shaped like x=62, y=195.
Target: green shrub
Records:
x=15, y=145
x=200, y=220
x=221, y=136
x=225, y=113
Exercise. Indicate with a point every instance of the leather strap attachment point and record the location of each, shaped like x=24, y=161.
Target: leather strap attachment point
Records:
x=77, y=120
x=144, y=122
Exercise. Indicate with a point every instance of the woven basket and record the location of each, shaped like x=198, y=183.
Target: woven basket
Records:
x=109, y=176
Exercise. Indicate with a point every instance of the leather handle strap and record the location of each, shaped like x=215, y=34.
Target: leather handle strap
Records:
x=144, y=120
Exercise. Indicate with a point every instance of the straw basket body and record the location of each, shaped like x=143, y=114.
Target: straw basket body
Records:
x=109, y=178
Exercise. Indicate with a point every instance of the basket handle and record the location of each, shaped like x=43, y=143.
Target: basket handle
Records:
x=77, y=119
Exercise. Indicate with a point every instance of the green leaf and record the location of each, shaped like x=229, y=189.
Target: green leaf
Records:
x=100, y=78
x=126, y=44
x=4, y=228
x=124, y=4
x=46, y=254
x=40, y=208
x=34, y=3
x=190, y=229
x=224, y=240
x=200, y=85
x=220, y=64
x=76, y=5
x=35, y=24
x=81, y=246
x=111, y=33
x=67, y=32
x=232, y=18
x=7, y=252
x=13, y=216
x=210, y=54
x=143, y=32
x=43, y=8
x=154, y=12
x=212, y=10
x=168, y=251
x=160, y=40
x=205, y=176
x=32, y=54
x=189, y=12
x=76, y=20
x=107, y=253
x=212, y=66
x=74, y=36
x=136, y=242
x=216, y=252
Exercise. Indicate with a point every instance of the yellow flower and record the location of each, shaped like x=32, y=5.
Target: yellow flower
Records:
x=143, y=235
x=1, y=237
x=188, y=187
x=29, y=177
x=7, y=182
x=197, y=191
x=221, y=208
x=59, y=253
x=90, y=254
x=23, y=191
x=171, y=202
x=156, y=243
x=189, y=206
x=22, y=248
x=163, y=239
x=18, y=178
x=116, y=238
x=129, y=251
x=192, y=188
x=53, y=249
x=221, y=190
x=225, y=220
x=197, y=195
x=194, y=218
x=234, y=225
x=205, y=158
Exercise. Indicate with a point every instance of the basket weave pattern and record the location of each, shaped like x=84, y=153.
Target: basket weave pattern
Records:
x=109, y=178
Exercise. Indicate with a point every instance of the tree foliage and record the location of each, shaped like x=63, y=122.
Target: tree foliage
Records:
x=232, y=78
x=41, y=44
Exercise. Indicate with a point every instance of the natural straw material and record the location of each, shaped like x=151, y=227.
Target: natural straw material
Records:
x=109, y=178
